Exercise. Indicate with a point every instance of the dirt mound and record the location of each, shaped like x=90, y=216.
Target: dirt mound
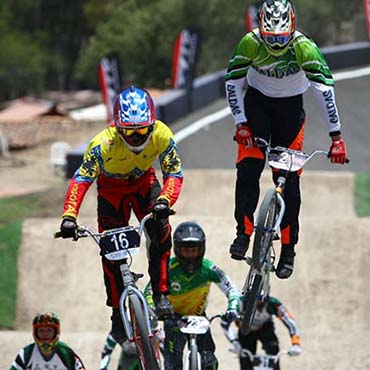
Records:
x=327, y=293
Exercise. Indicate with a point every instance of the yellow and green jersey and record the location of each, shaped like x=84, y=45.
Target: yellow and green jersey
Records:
x=189, y=291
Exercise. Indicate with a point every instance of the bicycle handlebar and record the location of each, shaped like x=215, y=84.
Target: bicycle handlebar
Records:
x=84, y=231
x=262, y=143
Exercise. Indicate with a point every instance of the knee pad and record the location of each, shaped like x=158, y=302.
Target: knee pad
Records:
x=209, y=360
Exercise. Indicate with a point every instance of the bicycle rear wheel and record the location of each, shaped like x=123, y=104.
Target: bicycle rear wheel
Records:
x=250, y=304
x=147, y=350
x=264, y=234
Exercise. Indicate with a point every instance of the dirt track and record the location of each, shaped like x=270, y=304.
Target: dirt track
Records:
x=328, y=293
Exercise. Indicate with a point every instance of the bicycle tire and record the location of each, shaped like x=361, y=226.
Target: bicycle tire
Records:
x=265, y=222
x=193, y=363
x=250, y=304
x=148, y=354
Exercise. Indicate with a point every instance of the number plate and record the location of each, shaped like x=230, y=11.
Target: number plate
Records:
x=286, y=161
x=119, y=244
x=194, y=325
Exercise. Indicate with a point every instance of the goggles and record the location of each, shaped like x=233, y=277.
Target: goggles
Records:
x=131, y=131
x=278, y=40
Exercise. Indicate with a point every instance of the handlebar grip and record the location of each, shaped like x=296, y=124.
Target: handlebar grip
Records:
x=57, y=234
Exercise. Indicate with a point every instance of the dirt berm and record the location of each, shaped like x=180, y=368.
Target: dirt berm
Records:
x=328, y=293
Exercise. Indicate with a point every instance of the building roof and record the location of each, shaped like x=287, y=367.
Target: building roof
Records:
x=29, y=109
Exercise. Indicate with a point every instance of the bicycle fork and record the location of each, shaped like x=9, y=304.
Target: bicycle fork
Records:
x=129, y=289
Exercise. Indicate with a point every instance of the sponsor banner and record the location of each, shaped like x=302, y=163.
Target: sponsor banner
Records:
x=109, y=81
x=367, y=16
x=251, y=18
x=185, y=57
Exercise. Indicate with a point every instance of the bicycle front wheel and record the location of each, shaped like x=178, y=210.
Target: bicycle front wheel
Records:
x=148, y=352
x=250, y=304
x=264, y=233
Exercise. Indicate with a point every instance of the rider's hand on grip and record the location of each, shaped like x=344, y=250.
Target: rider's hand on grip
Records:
x=244, y=136
x=68, y=228
x=338, y=152
x=161, y=209
x=295, y=350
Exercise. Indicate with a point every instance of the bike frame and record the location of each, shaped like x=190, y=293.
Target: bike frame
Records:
x=128, y=279
x=270, y=215
x=192, y=335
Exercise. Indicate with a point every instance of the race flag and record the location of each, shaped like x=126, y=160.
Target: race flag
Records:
x=251, y=18
x=367, y=16
x=109, y=81
x=185, y=57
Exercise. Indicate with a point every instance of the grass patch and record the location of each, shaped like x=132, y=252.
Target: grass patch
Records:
x=13, y=211
x=362, y=195
x=10, y=239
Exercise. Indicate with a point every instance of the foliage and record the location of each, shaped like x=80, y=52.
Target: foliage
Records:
x=57, y=44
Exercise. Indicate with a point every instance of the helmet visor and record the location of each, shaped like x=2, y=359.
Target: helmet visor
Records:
x=277, y=41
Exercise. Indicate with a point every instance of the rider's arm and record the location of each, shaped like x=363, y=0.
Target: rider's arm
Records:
x=170, y=162
x=279, y=310
x=236, y=75
x=82, y=179
x=23, y=357
x=315, y=66
x=225, y=284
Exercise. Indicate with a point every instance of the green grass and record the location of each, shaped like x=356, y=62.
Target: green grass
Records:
x=362, y=195
x=10, y=240
x=13, y=210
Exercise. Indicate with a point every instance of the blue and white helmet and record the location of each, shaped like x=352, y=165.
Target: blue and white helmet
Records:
x=134, y=117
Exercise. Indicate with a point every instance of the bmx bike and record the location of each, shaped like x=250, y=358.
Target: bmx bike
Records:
x=193, y=326
x=121, y=244
x=266, y=228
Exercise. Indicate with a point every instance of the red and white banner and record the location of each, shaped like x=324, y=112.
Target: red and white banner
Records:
x=109, y=81
x=367, y=16
x=251, y=18
x=185, y=56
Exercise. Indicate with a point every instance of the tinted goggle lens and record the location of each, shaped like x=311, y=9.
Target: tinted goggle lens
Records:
x=132, y=131
x=277, y=39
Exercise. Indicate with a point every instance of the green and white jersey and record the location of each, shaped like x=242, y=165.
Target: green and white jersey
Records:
x=289, y=74
x=63, y=358
x=189, y=291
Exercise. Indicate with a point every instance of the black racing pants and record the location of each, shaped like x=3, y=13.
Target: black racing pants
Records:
x=280, y=121
x=266, y=335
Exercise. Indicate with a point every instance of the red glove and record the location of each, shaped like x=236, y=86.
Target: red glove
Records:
x=244, y=136
x=338, y=152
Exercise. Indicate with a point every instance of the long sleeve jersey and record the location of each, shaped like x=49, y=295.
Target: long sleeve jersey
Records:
x=63, y=358
x=189, y=292
x=273, y=307
x=290, y=74
x=109, y=161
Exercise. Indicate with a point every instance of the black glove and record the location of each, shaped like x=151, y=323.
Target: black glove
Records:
x=68, y=228
x=161, y=209
x=231, y=315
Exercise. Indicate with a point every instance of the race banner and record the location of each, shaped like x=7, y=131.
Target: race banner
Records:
x=251, y=18
x=185, y=57
x=109, y=81
x=367, y=16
